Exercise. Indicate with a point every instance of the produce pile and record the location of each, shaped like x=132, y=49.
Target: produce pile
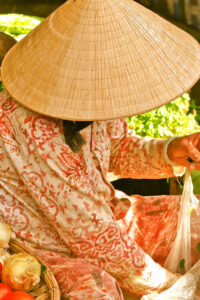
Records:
x=19, y=272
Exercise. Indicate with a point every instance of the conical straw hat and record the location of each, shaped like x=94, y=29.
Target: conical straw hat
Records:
x=101, y=59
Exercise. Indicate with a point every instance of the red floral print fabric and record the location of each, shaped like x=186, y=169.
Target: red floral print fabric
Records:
x=79, y=279
x=60, y=201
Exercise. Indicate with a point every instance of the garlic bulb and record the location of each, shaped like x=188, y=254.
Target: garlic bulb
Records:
x=5, y=234
x=21, y=272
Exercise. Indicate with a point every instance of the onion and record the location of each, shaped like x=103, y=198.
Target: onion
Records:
x=21, y=272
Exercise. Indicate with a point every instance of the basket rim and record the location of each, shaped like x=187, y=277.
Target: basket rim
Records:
x=47, y=274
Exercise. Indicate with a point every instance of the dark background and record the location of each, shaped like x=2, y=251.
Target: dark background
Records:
x=40, y=8
x=43, y=8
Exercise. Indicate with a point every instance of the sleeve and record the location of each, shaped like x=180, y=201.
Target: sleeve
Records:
x=137, y=157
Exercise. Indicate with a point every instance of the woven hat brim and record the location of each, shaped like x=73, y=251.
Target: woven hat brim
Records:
x=99, y=60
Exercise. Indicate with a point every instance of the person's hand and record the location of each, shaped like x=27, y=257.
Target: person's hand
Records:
x=185, y=151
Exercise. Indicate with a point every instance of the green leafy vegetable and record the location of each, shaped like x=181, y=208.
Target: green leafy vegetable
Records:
x=198, y=247
x=124, y=199
x=191, y=210
x=196, y=181
x=195, y=109
x=18, y=25
x=169, y=120
x=43, y=268
x=1, y=86
x=182, y=263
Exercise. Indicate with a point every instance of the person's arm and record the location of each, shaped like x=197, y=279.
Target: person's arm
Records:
x=137, y=157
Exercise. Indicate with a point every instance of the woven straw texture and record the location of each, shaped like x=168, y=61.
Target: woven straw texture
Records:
x=48, y=287
x=101, y=59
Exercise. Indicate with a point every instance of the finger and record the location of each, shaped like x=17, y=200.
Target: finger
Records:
x=195, y=138
x=193, y=152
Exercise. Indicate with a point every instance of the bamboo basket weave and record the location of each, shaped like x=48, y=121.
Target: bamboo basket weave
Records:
x=48, y=287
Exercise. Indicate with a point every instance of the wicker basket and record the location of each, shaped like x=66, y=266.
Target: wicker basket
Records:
x=48, y=287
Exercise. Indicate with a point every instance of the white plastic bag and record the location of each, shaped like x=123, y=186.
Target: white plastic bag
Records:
x=179, y=258
x=183, y=289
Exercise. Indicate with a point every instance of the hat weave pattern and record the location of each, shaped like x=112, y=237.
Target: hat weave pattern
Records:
x=101, y=59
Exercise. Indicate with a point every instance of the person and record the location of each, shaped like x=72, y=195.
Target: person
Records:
x=90, y=64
